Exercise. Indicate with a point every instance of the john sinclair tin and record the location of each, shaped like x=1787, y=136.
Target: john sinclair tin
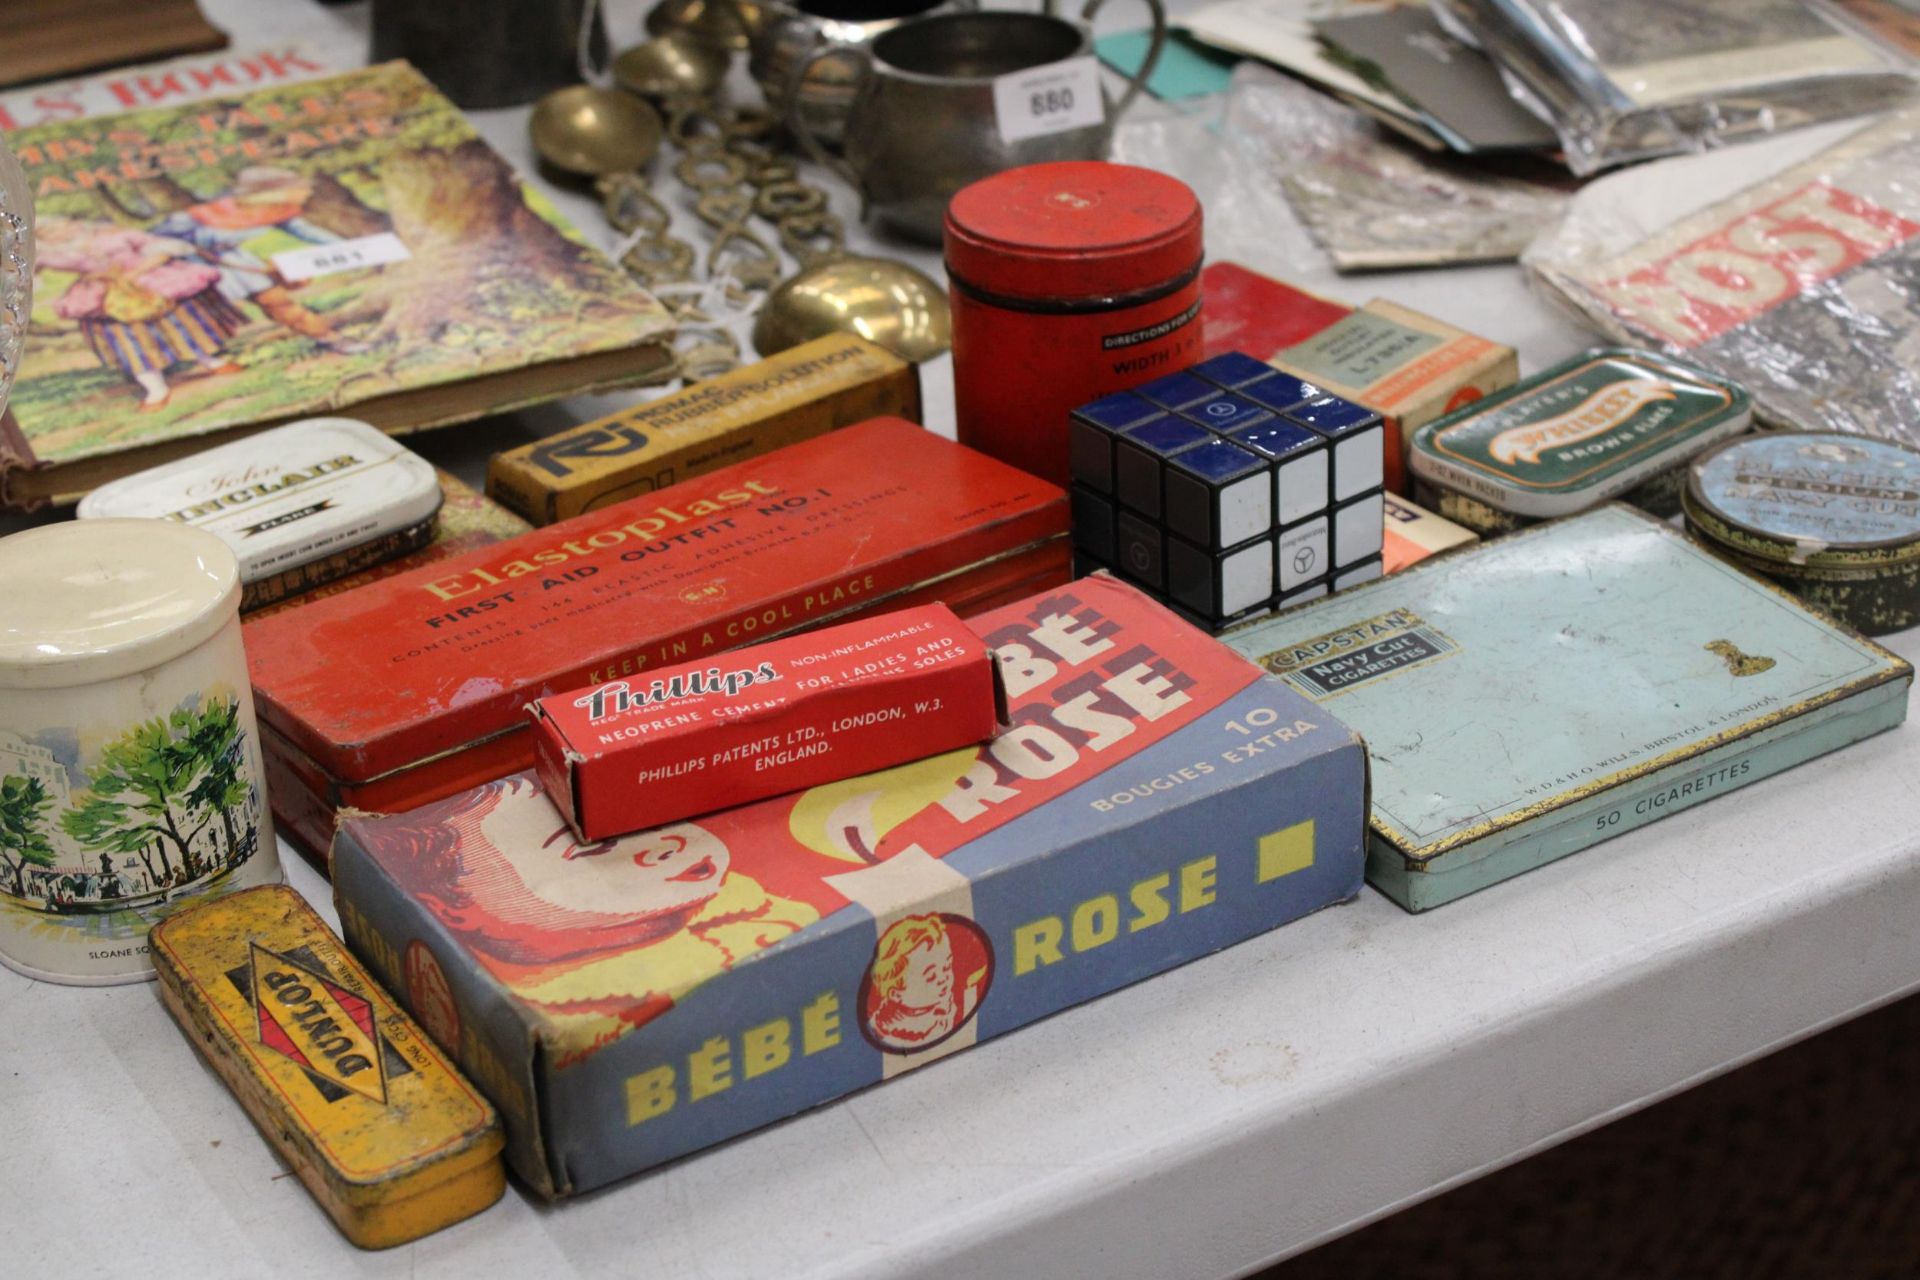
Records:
x=1655, y=676
x=131, y=774
x=1154, y=799
x=1608, y=423
x=1069, y=281
x=301, y=505
x=388, y=1137
x=1833, y=518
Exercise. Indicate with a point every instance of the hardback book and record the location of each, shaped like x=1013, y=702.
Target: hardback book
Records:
x=348, y=244
x=627, y=1001
x=1531, y=697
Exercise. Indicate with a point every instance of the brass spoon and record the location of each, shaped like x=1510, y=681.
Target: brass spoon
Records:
x=676, y=65
x=888, y=303
x=591, y=132
x=729, y=24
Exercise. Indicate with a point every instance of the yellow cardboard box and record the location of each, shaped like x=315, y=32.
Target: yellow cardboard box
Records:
x=815, y=388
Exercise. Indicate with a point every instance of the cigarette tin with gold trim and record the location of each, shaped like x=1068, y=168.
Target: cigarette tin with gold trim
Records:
x=385, y=1133
x=1525, y=699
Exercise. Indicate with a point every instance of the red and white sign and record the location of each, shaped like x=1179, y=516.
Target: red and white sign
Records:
x=1766, y=257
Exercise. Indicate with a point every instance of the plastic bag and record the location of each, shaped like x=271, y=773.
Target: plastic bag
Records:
x=1804, y=287
x=1368, y=199
x=1628, y=80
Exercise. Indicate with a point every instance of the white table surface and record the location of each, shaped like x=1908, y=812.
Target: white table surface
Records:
x=1227, y=1114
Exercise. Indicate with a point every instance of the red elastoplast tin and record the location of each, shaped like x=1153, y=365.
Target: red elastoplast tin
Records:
x=1069, y=281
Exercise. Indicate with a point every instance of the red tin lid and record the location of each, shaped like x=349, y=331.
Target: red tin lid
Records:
x=1071, y=229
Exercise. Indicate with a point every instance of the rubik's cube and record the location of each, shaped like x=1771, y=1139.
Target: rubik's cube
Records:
x=1229, y=489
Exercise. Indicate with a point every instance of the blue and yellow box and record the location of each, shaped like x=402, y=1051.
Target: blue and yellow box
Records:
x=1154, y=798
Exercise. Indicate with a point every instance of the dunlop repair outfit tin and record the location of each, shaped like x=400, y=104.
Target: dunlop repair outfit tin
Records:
x=1610, y=423
x=301, y=505
x=1835, y=519
x=385, y=1133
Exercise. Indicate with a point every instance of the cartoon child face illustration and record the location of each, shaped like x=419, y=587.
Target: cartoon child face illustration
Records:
x=500, y=867
x=547, y=870
x=927, y=977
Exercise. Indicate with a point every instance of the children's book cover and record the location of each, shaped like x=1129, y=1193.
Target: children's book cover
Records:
x=292, y=251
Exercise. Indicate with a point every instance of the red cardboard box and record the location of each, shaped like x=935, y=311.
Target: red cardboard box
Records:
x=412, y=688
x=776, y=717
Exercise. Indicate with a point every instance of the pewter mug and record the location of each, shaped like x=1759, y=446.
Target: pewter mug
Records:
x=790, y=30
x=923, y=122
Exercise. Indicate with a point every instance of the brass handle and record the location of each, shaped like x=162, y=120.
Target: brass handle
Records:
x=797, y=126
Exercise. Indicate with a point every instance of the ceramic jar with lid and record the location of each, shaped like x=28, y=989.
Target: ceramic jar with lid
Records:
x=131, y=781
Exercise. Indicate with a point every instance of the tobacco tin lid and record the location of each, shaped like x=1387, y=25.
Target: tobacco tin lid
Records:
x=1815, y=499
x=88, y=601
x=285, y=497
x=1587, y=429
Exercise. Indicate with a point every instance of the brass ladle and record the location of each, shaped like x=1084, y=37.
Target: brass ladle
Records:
x=887, y=302
x=883, y=300
x=675, y=65
x=730, y=24
x=591, y=132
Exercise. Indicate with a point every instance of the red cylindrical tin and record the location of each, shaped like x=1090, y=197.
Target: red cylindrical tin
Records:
x=1069, y=281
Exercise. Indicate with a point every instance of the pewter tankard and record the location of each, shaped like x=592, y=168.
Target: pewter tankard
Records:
x=790, y=30
x=933, y=111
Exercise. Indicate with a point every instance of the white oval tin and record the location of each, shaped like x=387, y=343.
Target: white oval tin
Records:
x=300, y=504
x=131, y=781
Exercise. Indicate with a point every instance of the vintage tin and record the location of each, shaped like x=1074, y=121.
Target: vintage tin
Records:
x=1153, y=800
x=1069, y=281
x=1835, y=519
x=416, y=686
x=376, y=1123
x=1655, y=675
x=468, y=519
x=131, y=780
x=823, y=385
x=301, y=505
x=1608, y=423
x=782, y=716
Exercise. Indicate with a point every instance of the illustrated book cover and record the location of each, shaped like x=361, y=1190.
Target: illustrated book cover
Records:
x=208, y=269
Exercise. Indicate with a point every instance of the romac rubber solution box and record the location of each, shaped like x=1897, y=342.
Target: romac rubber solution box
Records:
x=625, y=1002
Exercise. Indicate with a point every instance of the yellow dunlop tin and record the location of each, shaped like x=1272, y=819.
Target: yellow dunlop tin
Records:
x=388, y=1137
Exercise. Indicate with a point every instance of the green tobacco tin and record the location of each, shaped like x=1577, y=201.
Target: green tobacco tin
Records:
x=1608, y=423
x=1833, y=518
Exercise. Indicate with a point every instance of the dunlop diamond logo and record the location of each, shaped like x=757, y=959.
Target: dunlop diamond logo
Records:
x=319, y=1025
